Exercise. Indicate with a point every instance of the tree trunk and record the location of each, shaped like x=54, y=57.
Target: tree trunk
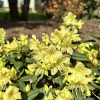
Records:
x=25, y=9
x=13, y=10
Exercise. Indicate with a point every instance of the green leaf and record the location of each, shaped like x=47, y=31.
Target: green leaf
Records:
x=96, y=46
x=21, y=73
x=25, y=49
x=90, y=98
x=21, y=85
x=19, y=56
x=99, y=64
x=33, y=93
x=34, y=86
x=78, y=94
x=24, y=96
x=84, y=41
x=7, y=58
x=29, y=60
x=13, y=55
x=13, y=51
x=34, y=79
x=41, y=95
x=18, y=64
x=26, y=78
x=59, y=81
x=95, y=70
x=80, y=33
x=94, y=37
x=79, y=56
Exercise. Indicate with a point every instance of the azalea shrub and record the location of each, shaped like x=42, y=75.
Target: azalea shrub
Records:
x=69, y=65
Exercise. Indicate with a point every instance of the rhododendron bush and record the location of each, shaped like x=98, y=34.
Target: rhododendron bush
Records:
x=69, y=64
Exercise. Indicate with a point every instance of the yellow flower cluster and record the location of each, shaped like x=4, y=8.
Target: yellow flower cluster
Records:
x=11, y=93
x=49, y=53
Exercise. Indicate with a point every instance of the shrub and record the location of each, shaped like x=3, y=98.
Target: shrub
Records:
x=70, y=66
x=91, y=8
x=58, y=8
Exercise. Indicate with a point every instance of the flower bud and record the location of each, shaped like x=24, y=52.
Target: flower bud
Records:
x=95, y=55
x=15, y=79
x=95, y=62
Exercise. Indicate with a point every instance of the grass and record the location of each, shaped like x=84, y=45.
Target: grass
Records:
x=31, y=16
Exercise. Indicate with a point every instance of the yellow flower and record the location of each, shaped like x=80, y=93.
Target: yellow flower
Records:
x=33, y=43
x=56, y=36
x=4, y=76
x=48, y=55
x=27, y=88
x=70, y=19
x=22, y=37
x=67, y=46
x=45, y=39
x=30, y=71
x=13, y=72
x=79, y=24
x=63, y=94
x=12, y=93
x=80, y=68
x=2, y=63
x=47, y=88
x=61, y=64
x=78, y=73
x=2, y=35
x=1, y=95
x=98, y=80
x=40, y=68
x=50, y=96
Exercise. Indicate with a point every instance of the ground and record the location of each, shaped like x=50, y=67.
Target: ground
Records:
x=37, y=27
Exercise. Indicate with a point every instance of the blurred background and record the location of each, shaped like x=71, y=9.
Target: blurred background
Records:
x=43, y=16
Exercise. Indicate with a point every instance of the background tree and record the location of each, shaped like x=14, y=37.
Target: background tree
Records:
x=25, y=9
x=13, y=10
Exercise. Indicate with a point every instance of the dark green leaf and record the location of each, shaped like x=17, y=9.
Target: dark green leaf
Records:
x=34, y=86
x=94, y=37
x=79, y=56
x=95, y=70
x=34, y=79
x=84, y=41
x=26, y=78
x=80, y=33
x=78, y=94
x=21, y=85
x=13, y=55
x=21, y=73
x=41, y=95
x=90, y=98
x=99, y=64
x=26, y=49
x=33, y=93
x=24, y=96
x=96, y=46
x=13, y=51
x=7, y=58
x=59, y=81
x=18, y=64
x=29, y=60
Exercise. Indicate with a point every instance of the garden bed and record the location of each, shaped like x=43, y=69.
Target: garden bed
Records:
x=37, y=27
